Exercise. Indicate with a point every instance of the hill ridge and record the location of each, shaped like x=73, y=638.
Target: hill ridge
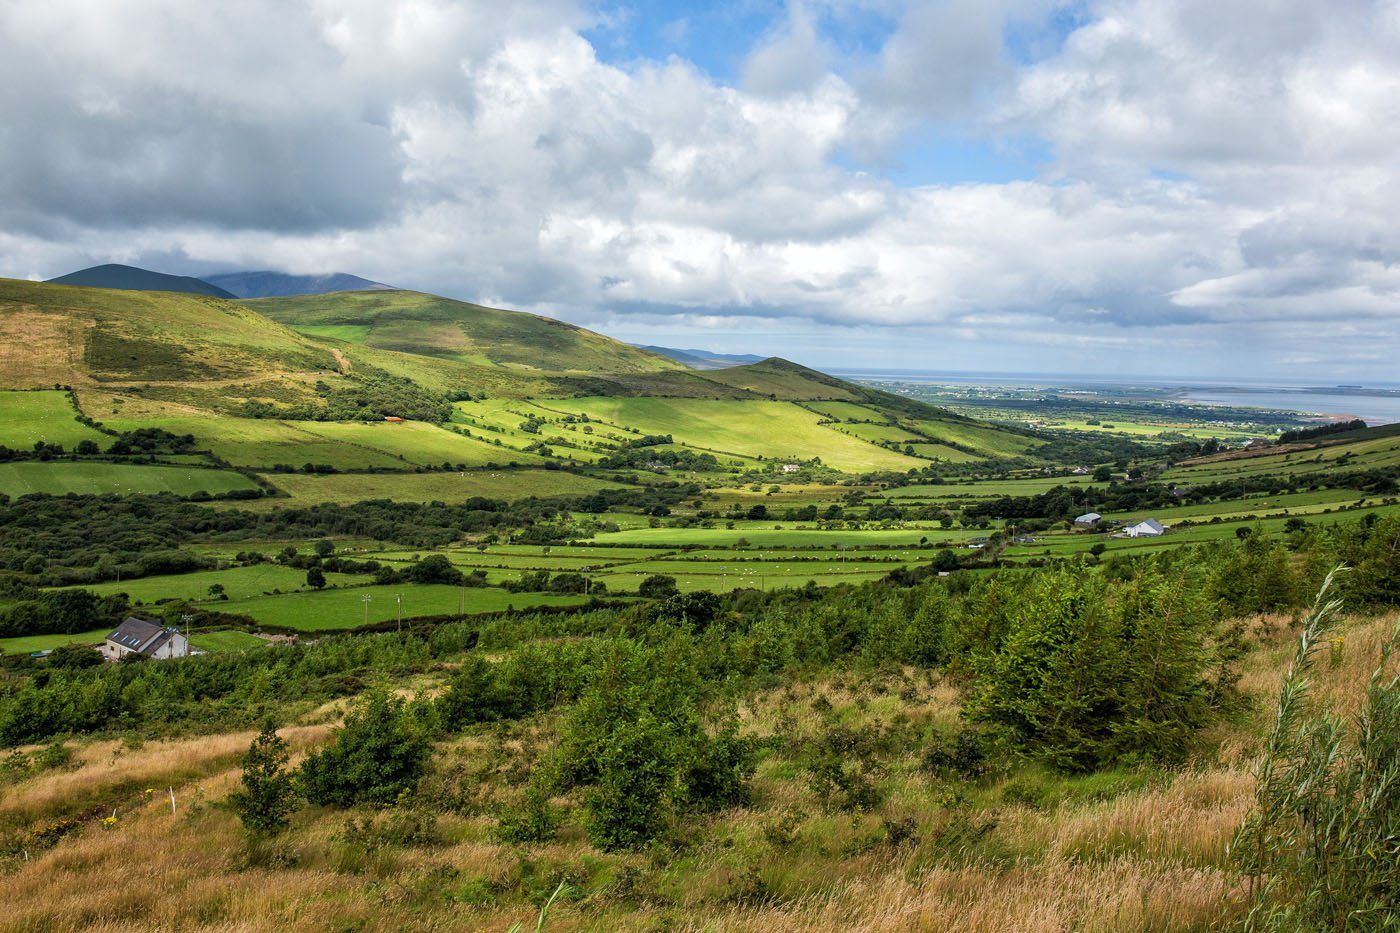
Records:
x=134, y=278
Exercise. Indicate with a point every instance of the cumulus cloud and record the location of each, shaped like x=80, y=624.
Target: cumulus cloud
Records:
x=1214, y=172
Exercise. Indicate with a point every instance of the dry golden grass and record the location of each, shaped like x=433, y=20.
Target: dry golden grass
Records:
x=106, y=772
x=36, y=349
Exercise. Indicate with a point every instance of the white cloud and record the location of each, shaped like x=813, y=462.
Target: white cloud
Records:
x=1213, y=168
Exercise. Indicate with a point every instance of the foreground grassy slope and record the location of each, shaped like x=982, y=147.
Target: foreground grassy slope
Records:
x=1126, y=850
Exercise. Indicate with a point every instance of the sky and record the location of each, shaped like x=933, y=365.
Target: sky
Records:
x=1175, y=188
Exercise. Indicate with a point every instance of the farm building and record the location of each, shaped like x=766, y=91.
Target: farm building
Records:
x=1088, y=520
x=1147, y=528
x=137, y=636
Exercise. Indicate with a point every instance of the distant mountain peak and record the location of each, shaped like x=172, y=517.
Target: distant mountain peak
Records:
x=133, y=278
x=268, y=283
x=705, y=359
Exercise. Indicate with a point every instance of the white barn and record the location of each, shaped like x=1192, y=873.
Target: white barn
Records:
x=137, y=636
x=1147, y=528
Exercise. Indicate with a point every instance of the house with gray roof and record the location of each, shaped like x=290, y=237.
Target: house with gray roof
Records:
x=137, y=636
x=1147, y=528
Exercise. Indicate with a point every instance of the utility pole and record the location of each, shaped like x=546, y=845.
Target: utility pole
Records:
x=186, y=618
x=365, y=599
x=398, y=598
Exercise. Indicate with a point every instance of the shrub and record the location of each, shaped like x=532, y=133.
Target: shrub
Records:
x=377, y=755
x=268, y=796
x=636, y=741
x=535, y=819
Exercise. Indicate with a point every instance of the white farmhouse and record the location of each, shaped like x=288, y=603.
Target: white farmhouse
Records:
x=1147, y=528
x=137, y=636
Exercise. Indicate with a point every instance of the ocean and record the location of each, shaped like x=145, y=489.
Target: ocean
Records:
x=1375, y=403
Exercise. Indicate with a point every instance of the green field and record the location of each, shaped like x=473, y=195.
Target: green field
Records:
x=414, y=442
x=785, y=537
x=29, y=417
x=329, y=610
x=428, y=487
x=259, y=442
x=849, y=412
x=24, y=644
x=776, y=430
x=59, y=478
x=226, y=640
x=238, y=583
x=1369, y=453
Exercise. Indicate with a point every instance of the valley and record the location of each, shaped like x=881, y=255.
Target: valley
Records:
x=505, y=536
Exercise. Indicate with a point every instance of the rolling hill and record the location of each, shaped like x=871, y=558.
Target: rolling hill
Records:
x=277, y=383
x=473, y=336
x=268, y=284
x=131, y=278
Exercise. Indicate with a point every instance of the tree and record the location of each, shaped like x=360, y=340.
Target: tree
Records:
x=217, y=591
x=324, y=548
x=435, y=568
x=269, y=796
x=315, y=578
x=658, y=586
x=1089, y=674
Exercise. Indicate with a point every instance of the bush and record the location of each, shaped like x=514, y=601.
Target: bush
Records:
x=268, y=796
x=534, y=820
x=377, y=755
x=636, y=741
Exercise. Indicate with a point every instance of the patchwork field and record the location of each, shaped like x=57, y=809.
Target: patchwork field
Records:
x=337, y=610
x=60, y=478
x=238, y=583
x=29, y=417
x=776, y=430
x=428, y=487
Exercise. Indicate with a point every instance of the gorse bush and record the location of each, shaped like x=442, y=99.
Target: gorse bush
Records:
x=375, y=757
x=1321, y=849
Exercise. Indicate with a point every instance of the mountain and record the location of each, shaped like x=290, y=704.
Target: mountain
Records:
x=705, y=359
x=131, y=278
x=268, y=284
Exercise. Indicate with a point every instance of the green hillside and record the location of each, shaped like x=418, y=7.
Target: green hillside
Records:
x=397, y=382
x=474, y=335
x=61, y=334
